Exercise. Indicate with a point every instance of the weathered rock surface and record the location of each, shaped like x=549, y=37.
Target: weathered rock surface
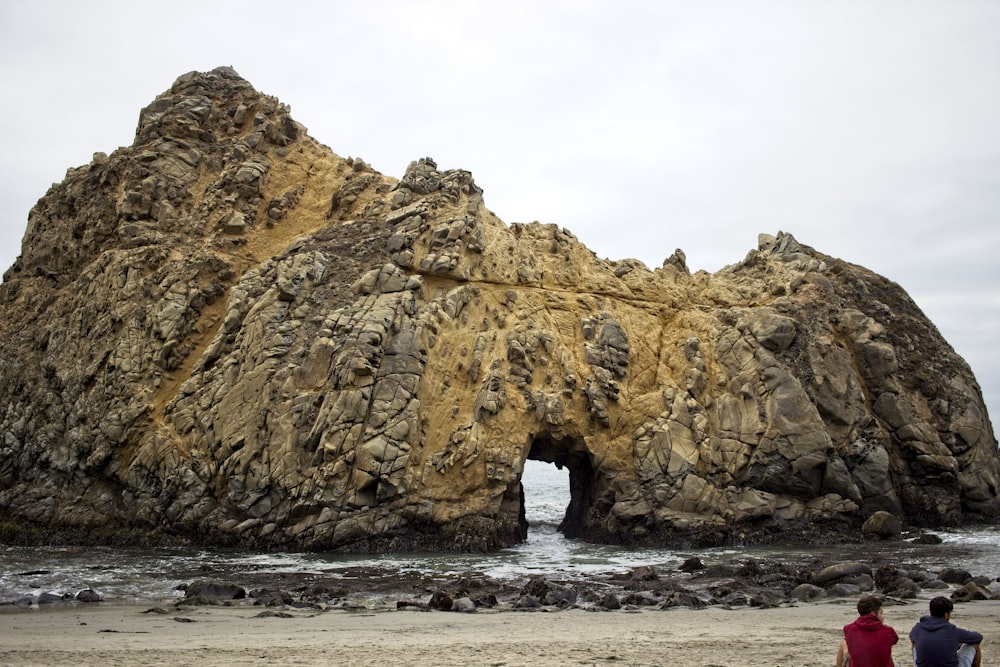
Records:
x=229, y=334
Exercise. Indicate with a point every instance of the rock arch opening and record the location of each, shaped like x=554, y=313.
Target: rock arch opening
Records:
x=545, y=488
x=570, y=453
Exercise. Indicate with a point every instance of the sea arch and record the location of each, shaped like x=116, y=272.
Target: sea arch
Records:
x=587, y=483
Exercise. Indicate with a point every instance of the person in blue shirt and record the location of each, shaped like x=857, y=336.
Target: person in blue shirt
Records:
x=939, y=643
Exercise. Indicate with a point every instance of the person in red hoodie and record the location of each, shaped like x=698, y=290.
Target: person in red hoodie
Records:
x=867, y=641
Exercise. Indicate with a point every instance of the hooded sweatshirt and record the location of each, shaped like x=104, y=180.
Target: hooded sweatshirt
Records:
x=869, y=642
x=935, y=641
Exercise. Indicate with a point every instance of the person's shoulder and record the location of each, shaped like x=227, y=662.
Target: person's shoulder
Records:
x=969, y=632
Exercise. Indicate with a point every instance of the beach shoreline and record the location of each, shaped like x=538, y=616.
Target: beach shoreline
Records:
x=804, y=635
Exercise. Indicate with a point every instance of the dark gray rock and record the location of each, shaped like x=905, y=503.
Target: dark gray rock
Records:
x=88, y=595
x=641, y=599
x=807, y=592
x=954, y=575
x=833, y=573
x=214, y=590
x=526, y=602
x=441, y=600
x=610, y=601
x=842, y=590
x=902, y=587
x=683, y=598
x=692, y=564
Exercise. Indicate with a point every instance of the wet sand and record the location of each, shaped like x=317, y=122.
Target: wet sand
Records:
x=804, y=635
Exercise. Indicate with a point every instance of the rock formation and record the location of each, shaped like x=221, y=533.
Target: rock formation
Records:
x=228, y=334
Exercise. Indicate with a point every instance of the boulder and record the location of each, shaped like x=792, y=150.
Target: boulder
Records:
x=88, y=595
x=838, y=571
x=610, y=601
x=644, y=573
x=526, y=602
x=954, y=575
x=972, y=591
x=640, y=599
x=692, y=564
x=441, y=600
x=842, y=590
x=883, y=525
x=683, y=598
x=902, y=587
x=807, y=592
x=463, y=604
x=214, y=590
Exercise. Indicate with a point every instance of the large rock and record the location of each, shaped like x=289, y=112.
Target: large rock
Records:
x=226, y=333
x=883, y=525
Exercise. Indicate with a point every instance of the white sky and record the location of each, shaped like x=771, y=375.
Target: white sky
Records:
x=869, y=129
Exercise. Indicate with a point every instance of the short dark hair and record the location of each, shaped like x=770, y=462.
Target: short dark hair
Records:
x=941, y=606
x=868, y=604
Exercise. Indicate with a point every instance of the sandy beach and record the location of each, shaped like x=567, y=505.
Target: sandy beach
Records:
x=804, y=635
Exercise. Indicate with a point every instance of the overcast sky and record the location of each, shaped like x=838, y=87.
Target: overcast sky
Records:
x=869, y=130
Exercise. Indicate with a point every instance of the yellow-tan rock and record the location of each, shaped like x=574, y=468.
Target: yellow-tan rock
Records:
x=229, y=334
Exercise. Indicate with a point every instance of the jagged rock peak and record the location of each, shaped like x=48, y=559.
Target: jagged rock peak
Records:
x=226, y=333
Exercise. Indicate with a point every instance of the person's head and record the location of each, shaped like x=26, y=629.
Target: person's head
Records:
x=869, y=604
x=941, y=606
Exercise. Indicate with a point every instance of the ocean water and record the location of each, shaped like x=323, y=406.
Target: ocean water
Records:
x=134, y=575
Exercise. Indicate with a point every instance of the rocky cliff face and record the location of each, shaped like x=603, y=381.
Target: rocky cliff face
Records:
x=228, y=333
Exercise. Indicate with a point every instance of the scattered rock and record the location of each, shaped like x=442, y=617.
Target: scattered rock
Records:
x=88, y=595
x=269, y=613
x=807, y=592
x=644, y=573
x=610, y=601
x=641, y=599
x=972, y=591
x=441, y=600
x=213, y=590
x=838, y=571
x=683, y=599
x=526, y=602
x=412, y=604
x=463, y=604
x=692, y=564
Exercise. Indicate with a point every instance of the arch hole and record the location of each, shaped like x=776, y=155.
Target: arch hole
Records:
x=546, y=497
x=570, y=454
